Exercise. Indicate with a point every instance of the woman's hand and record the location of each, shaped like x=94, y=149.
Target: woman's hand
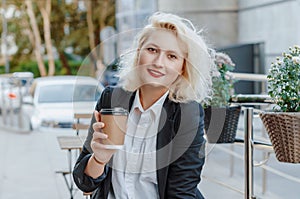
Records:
x=96, y=163
x=101, y=154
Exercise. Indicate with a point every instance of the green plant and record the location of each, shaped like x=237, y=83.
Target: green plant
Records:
x=222, y=83
x=284, y=81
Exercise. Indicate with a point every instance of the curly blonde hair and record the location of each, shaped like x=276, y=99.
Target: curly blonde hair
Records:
x=194, y=84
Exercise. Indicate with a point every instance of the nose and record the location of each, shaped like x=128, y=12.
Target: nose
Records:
x=159, y=60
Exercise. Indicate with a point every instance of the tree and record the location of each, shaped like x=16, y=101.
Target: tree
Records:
x=68, y=30
x=60, y=25
x=37, y=40
x=45, y=9
x=99, y=15
x=89, y=19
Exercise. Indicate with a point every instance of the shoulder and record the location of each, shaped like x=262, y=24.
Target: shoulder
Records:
x=184, y=114
x=183, y=111
x=191, y=117
x=114, y=90
x=114, y=96
x=189, y=109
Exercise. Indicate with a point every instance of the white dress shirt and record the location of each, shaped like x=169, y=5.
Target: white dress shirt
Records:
x=134, y=166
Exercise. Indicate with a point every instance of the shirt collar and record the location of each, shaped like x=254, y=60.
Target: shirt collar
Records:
x=155, y=108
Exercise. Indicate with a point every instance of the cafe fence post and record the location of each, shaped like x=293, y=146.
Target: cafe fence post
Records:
x=248, y=119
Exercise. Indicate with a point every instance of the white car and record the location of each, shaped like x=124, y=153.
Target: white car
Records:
x=54, y=100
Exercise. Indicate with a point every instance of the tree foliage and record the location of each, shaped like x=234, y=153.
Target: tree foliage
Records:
x=69, y=30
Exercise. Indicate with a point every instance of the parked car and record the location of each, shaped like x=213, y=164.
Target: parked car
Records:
x=54, y=100
x=13, y=87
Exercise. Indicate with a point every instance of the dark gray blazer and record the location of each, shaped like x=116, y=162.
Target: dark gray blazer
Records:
x=180, y=149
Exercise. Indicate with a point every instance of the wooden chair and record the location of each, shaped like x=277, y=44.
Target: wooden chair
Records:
x=79, y=126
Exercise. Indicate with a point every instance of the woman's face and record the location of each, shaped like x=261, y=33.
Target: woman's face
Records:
x=160, y=59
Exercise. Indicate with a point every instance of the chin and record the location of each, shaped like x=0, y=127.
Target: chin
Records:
x=156, y=85
x=154, y=82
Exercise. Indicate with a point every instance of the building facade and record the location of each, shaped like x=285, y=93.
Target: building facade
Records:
x=275, y=23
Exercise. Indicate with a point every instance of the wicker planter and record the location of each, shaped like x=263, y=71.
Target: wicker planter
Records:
x=221, y=124
x=284, y=132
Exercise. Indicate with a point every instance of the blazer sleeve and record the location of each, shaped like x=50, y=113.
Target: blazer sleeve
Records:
x=83, y=181
x=188, y=154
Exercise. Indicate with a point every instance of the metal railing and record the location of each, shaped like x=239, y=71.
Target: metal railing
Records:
x=249, y=142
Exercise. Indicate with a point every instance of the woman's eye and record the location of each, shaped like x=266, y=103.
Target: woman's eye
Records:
x=172, y=56
x=150, y=49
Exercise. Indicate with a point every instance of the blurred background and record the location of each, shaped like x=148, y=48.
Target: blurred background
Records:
x=41, y=38
x=59, y=37
x=53, y=37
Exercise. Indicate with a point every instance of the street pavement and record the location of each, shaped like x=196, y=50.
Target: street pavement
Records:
x=29, y=161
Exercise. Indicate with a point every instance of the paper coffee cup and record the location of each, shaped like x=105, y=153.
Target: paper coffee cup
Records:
x=115, y=120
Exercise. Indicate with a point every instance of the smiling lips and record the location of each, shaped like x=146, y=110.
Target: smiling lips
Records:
x=155, y=73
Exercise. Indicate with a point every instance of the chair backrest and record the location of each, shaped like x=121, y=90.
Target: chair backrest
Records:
x=78, y=125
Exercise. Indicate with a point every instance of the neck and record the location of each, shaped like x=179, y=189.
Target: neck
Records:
x=149, y=95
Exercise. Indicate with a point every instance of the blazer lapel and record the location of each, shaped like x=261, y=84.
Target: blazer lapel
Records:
x=121, y=98
x=164, y=144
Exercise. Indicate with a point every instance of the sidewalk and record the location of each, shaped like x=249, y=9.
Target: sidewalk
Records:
x=218, y=183
x=28, y=165
x=29, y=161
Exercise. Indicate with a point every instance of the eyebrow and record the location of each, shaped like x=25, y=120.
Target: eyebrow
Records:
x=170, y=51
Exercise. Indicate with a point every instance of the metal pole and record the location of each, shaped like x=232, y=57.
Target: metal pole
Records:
x=19, y=112
x=4, y=36
x=231, y=161
x=248, y=119
x=4, y=105
x=10, y=107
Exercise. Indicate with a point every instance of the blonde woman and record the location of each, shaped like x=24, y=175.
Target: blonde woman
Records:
x=167, y=75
